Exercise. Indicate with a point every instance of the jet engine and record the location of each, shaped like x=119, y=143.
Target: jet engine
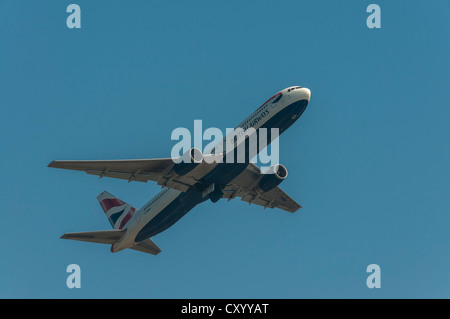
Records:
x=216, y=194
x=190, y=160
x=272, y=177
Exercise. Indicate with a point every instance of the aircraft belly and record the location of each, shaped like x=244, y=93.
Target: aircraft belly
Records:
x=173, y=212
x=220, y=175
x=287, y=116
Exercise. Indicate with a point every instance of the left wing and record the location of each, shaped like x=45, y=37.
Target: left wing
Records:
x=159, y=170
x=133, y=170
x=244, y=186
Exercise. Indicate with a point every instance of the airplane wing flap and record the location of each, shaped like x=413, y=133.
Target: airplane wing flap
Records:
x=130, y=176
x=276, y=198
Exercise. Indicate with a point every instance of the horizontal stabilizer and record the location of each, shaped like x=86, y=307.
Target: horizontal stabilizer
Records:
x=147, y=246
x=101, y=237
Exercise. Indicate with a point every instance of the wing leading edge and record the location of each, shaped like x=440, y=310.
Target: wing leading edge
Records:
x=140, y=170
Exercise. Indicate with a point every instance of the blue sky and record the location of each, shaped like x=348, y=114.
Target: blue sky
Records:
x=368, y=160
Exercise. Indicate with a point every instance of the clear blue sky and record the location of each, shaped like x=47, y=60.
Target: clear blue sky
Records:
x=368, y=160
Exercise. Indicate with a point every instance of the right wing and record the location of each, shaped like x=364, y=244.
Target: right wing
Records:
x=276, y=197
x=244, y=186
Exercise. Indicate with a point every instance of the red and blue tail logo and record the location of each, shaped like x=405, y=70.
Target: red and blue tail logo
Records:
x=117, y=211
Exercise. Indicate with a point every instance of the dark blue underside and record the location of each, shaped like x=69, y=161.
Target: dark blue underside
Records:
x=223, y=174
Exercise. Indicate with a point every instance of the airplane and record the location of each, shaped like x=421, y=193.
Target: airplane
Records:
x=187, y=184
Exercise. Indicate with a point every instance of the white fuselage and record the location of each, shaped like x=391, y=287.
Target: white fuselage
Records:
x=256, y=120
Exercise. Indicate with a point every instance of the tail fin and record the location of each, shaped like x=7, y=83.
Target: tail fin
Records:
x=117, y=211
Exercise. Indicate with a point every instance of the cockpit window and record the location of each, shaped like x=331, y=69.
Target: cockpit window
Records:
x=277, y=99
x=294, y=88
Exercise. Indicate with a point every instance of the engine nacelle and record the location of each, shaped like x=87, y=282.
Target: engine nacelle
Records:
x=272, y=177
x=190, y=160
x=216, y=194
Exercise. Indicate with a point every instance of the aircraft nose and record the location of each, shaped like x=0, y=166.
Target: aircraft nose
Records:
x=303, y=94
x=299, y=94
